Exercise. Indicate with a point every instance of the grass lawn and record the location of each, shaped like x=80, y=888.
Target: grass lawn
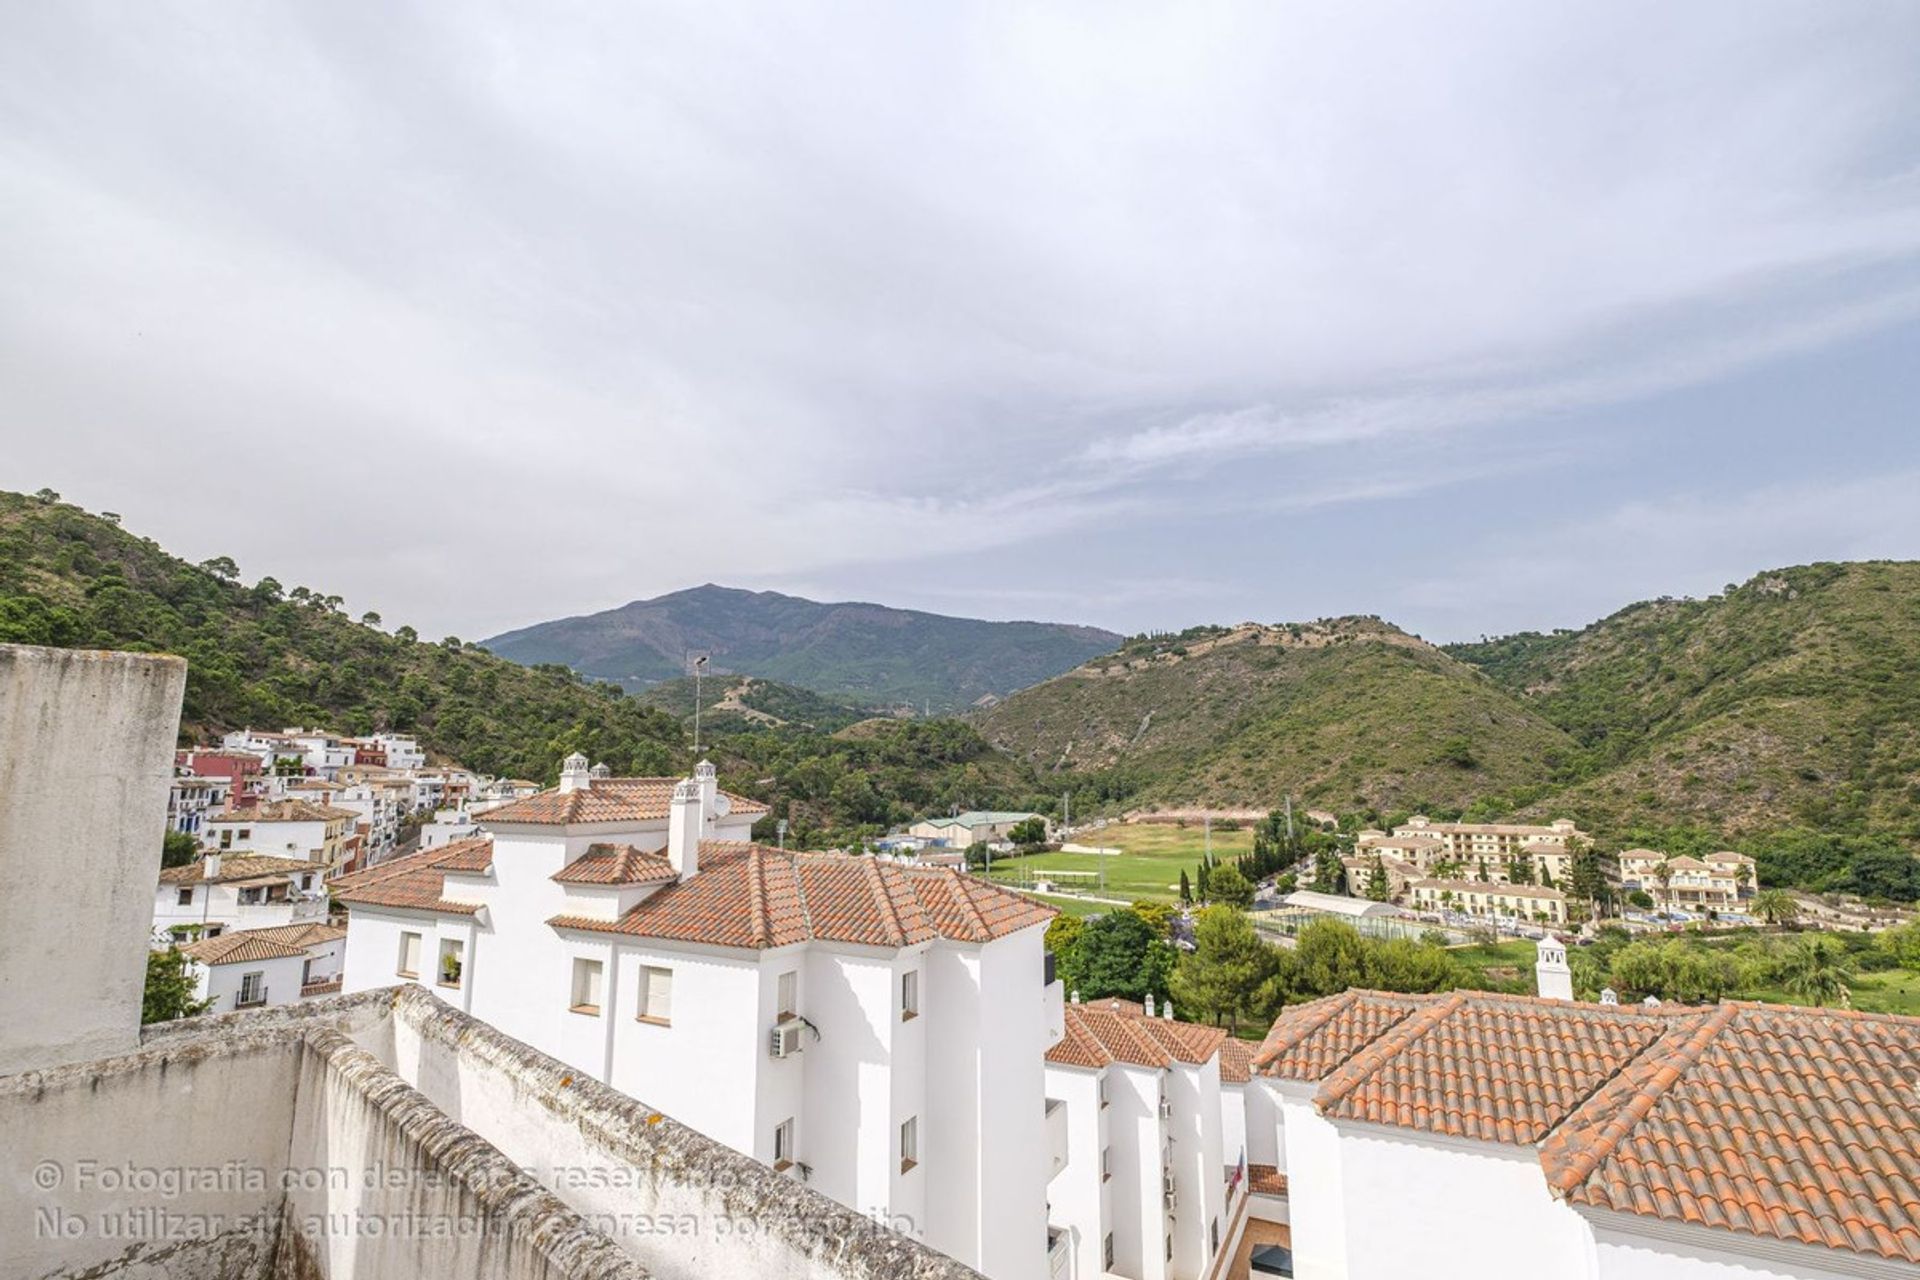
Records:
x=1892, y=991
x=1500, y=964
x=1148, y=867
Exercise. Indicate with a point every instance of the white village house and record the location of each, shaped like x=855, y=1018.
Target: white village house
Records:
x=1136, y=1098
x=253, y=968
x=291, y=828
x=875, y=1029
x=1501, y=1137
x=223, y=892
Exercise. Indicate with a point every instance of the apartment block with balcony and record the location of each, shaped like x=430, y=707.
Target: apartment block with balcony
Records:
x=1140, y=1184
x=221, y=893
x=873, y=1029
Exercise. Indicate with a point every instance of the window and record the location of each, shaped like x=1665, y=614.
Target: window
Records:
x=909, y=1143
x=409, y=955
x=185, y=899
x=1169, y=1248
x=1106, y=1163
x=785, y=999
x=306, y=881
x=253, y=990
x=1213, y=1237
x=1103, y=1091
x=586, y=986
x=452, y=961
x=909, y=995
x=1106, y=1253
x=656, y=995
x=783, y=1144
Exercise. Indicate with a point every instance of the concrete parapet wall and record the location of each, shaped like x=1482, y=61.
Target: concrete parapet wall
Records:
x=86, y=757
x=688, y=1206
x=387, y=1134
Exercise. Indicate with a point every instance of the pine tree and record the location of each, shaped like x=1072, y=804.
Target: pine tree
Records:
x=1379, y=886
x=1186, y=887
x=1200, y=877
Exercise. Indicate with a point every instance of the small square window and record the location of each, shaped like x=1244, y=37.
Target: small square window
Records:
x=185, y=898
x=909, y=1143
x=586, y=986
x=783, y=1144
x=656, y=995
x=409, y=966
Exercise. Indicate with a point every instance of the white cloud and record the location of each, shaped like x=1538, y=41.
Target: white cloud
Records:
x=540, y=289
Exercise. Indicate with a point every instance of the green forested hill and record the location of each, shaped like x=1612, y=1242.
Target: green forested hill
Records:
x=739, y=702
x=861, y=654
x=1793, y=699
x=267, y=655
x=1348, y=714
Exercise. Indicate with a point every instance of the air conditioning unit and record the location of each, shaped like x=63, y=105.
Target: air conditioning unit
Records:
x=785, y=1040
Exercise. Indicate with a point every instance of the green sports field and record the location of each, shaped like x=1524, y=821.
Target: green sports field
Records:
x=1148, y=866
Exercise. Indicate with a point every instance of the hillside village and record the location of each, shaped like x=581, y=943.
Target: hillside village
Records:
x=910, y=1040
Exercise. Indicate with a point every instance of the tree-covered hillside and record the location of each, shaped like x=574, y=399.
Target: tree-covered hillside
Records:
x=1790, y=700
x=269, y=655
x=1347, y=714
x=865, y=655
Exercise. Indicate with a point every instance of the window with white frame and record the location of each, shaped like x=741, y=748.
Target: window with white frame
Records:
x=909, y=995
x=409, y=955
x=656, y=995
x=909, y=1143
x=253, y=988
x=786, y=989
x=783, y=1144
x=453, y=961
x=587, y=976
x=185, y=899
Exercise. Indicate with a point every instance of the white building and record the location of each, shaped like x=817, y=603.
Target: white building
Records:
x=222, y=892
x=1492, y=899
x=292, y=828
x=964, y=830
x=402, y=751
x=1494, y=1137
x=253, y=968
x=875, y=1029
x=1470, y=849
x=1134, y=1110
x=191, y=798
x=447, y=826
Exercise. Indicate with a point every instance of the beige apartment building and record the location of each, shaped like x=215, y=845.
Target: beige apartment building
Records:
x=1473, y=848
x=1488, y=898
x=1719, y=880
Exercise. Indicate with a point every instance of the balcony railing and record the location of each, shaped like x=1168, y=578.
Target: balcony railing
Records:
x=244, y=1001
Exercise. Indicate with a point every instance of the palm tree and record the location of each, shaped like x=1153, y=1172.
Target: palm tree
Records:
x=1664, y=874
x=1776, y=906
x=1816, y=970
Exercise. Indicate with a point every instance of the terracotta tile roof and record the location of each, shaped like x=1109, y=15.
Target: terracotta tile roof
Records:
x=1266, y=1180
x=1236, y=1061
x=245, y=947
x=293, y=810
x=1311, y=1041
x=1498, y=1068
x=300, y=935
x=239, y=866
x=603, y=800
x=616, y=864
x=1790, y=1124
x=418, y=880
x=1097, y=1036
x=748, y=895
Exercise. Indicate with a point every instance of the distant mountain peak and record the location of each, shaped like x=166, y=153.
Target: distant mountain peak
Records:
x=855, y=652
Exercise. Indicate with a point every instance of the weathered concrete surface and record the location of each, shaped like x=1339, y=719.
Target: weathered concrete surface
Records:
x=86, y=756
x=386, y=1134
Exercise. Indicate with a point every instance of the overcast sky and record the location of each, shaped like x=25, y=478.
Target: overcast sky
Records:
x=1476, y=316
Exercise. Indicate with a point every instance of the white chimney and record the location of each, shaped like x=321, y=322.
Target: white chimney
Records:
x=574, y=775
x=1150, y=1004
x=1166, y=1011
x=1076, y=995
x=709, y=780
x=210, y=866
x=1551, y=975
x=683, y=829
